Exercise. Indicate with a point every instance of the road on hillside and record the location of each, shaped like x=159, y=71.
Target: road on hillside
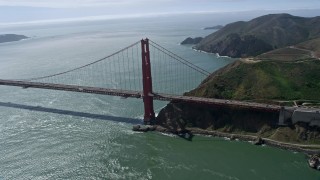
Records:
x=312, y=53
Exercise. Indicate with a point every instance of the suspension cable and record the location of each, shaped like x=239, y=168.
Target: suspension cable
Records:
x=178, y=58
x=94, y=62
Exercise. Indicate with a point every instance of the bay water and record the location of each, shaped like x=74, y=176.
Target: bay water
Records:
x=47, y=134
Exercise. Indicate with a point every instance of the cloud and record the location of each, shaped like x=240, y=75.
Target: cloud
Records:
x=152, y=3
x=100, y=3
x=35, y=10
x=66, y=3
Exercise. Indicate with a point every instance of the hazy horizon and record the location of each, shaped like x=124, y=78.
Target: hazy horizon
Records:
x=19, y=11
x=243, y=15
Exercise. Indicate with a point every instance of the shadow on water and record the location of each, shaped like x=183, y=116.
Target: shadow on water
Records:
x=72, y=113
x=186, y=135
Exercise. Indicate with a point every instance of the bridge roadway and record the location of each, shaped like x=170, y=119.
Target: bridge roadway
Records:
x=138, y=94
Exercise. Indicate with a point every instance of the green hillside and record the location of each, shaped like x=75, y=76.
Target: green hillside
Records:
x=264, y=81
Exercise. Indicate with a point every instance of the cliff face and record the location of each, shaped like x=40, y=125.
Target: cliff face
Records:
x=176, y=116
x=274, y=30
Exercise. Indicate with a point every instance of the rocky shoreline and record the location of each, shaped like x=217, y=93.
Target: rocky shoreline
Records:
x=307, y=149
x=256, y=140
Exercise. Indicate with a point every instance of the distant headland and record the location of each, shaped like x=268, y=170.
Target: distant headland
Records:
x=190, y=40
x=261, y=35
x=11, y=37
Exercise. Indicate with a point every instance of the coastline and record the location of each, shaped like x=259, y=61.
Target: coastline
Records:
x=302, y=148
x=205, y=52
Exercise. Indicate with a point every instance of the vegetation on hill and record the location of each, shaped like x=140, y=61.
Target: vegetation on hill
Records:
x=236, y=46
x=274, y=30
x=264, y=80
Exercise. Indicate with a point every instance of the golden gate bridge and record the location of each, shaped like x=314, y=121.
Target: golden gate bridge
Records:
x=129, y=73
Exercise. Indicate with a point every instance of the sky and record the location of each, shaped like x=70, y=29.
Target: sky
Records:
x=13, y=11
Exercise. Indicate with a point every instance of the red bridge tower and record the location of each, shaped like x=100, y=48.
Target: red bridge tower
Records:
x=149, y=116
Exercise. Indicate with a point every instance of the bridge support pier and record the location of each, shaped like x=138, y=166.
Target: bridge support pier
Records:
x=149, y=116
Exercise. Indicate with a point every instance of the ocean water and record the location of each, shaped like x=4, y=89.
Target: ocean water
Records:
x=47, y=134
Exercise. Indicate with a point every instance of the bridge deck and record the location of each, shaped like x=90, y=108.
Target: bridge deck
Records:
x=138, y=94
x=218, y=102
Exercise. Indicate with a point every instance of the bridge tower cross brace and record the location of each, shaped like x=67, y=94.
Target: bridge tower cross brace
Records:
x=149, y=116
